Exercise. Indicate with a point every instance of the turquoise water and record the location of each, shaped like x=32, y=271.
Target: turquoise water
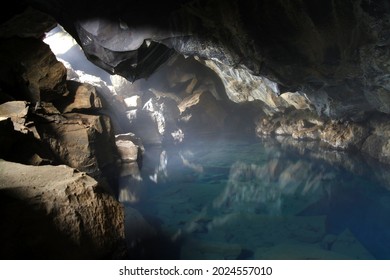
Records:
x=257, y=199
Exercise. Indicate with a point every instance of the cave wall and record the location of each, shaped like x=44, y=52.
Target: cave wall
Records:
x=335, y=53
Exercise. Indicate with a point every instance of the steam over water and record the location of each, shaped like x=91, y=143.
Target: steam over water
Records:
x=252, y=199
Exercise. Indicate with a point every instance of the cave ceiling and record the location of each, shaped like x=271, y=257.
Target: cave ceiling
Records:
x=334, y=52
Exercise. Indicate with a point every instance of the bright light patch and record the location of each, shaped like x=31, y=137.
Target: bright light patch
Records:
x=60, y=41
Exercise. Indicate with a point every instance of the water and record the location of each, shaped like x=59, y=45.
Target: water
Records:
x=256, y=199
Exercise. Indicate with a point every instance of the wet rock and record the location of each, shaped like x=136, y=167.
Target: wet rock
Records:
x=344, y=135
x=57, y=212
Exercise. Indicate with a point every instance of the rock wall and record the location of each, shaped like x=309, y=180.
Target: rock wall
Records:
x=57, y=212
x=58, y=164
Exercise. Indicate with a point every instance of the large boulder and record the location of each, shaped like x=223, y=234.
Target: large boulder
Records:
x=57, y=212
x=85, y=142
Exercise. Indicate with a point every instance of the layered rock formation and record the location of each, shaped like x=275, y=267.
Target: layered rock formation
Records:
x=328, y=58
x=58, y=166
x=57, y=212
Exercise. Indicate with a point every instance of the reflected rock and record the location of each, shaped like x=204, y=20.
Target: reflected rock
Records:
x=264, y=188
x=297, y=252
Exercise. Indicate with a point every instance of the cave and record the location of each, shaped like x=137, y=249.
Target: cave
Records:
x=195, y=129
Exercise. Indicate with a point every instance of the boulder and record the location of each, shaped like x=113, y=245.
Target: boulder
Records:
x=81, y=97
x=32, y=73
x=17, y=112
x=57, y=212
x=128, y=151
x=85, y=142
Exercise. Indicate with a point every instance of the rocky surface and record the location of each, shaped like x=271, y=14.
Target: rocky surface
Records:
x=58, y=167
x=335, y=54
x=300, y=72
x=57, y=212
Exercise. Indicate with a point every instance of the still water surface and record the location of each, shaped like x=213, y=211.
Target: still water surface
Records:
x=255, y=199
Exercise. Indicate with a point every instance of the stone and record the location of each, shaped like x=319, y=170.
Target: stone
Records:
x=202, y=113
x=131, y=137
x=17, y=112
x=81, y=97
x=39, y=76
x=85, y=142
x=128, y=151
x=345, y=135
x=57, y=212
x=124, y=87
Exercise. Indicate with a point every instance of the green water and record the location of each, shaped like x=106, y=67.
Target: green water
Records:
x=255, y=199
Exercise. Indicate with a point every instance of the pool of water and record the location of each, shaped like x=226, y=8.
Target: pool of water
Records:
x=256, y=199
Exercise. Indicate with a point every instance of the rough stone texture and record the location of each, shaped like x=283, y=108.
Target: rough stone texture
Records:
x=81, y=97
x=344, y=135
x=29, y=70
x=334, y=52
x=17, y=112
x=127, y=150
x=57, y=212
x=29, y=23
x=377, y=143
x=202, y=113
x=85, y=142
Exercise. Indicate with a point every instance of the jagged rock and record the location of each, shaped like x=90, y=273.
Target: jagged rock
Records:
x=155, y=122
x=29, y=70
x=29, y=23
x=137, y=229
x=202, y=113
x=124, y=87
x=133, y=138
x=57, y=212
x=344, y=135
x=242, y=86
x=17, y=112
x=85, y=142
x=144, y=125
x=81, y=97
x=377, y=144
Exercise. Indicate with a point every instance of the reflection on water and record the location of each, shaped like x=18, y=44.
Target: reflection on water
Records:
x=246, y=199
